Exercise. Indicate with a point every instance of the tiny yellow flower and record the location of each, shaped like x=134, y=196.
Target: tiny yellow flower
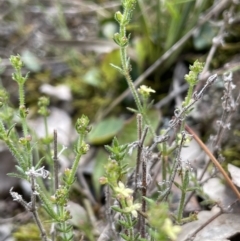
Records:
x=121, y=191
x=170, y=230
x=145, y=91
x=133, y=209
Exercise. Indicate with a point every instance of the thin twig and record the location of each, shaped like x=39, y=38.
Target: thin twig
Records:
x=56, y=181
x=139, y=149
x=213, y=159
x=144, y=187
x=204, y=225
x=216, y=42
x=174, y=170
x=32, y=208
x=171, y=96
x=55, y=160
x=110, y=226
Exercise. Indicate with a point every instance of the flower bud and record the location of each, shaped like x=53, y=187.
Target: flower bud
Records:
x=16, y=62
x=118, y=16
x=103, y=180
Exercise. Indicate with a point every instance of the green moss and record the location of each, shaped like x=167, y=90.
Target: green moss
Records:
x=27, y=232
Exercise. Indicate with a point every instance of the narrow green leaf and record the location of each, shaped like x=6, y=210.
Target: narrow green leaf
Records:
x=10, y=129
x=124, y=224
x=178, y=186
x=38, y=165
x=124, y=236
x=117, y=209
x=108, y=148
x=190, y=189
x=117, y=68
x=12, y=174
x=132, y=110
x=149, y=200
x=20, y=170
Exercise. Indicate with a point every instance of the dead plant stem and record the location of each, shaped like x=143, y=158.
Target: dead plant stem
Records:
x=213, y=159
x=139, y=149
x=204, y=225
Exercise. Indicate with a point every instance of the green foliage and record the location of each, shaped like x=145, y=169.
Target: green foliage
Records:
x=43, y=103
x=105, y=130
x=23, y=149
x=195, y=69
x=192, y=78
x=135, y=213
x=27, y=232
x=116, y=168
x=162, y=227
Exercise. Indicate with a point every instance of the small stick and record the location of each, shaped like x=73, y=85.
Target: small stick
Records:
x=204, y=225
x=144, y=194
x=55, y=173
x=55, y=159
x=139, y=150
x=213, y=159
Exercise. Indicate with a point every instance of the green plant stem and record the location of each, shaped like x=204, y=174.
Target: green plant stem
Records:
x=64, y=227
x=5, y=136
x=76, y=160
x=20, y=88
x=47, y=204
x=22, y=103
x=130, y=83
x=131, y=231
x=125, y=64
x=22, y=162
x=189, y=95
x=46, y=126
x=75, y=166
x=27, y=147
x=185, y=182
x=129, y=221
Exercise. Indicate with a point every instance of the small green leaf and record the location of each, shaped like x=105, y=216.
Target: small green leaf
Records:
x=38, y=165
x=117, y=209
x=123, y=223
x=12, y=174
x=190, y=189
x=10, y=129
x=105, y=130
x=132, y=110
x=116, y=67
x=108, y=148
x=124, y=236
x=149, y=200
x=20, y=170
x=115, y=142
x=178, y=185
